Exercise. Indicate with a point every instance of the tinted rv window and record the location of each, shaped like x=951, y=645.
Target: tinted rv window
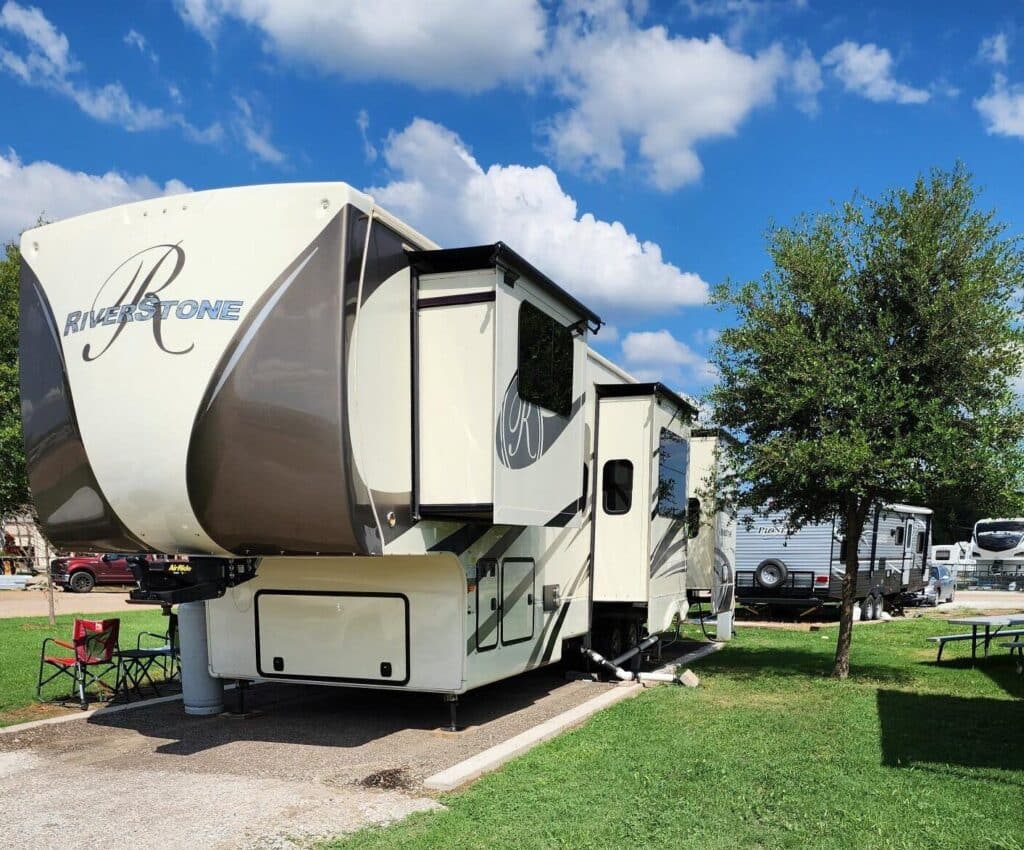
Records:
x=673, y=455
x=545, y=360
x=898, y=536
x=942, y=554
x=617, y=486
x=920, y=542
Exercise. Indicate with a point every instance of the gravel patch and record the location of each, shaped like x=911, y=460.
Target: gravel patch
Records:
x=307, y=763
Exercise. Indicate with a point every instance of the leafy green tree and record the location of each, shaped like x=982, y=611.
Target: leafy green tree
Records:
x=14, y=493
x=875, y=363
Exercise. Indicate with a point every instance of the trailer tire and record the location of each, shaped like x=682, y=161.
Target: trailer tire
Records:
x=614, y=640
x=867, y=608
x=771, y=574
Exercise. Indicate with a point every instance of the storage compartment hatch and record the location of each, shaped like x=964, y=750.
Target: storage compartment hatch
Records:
x=333, y=636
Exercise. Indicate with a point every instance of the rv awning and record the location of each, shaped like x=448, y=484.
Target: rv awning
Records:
x=498, y=255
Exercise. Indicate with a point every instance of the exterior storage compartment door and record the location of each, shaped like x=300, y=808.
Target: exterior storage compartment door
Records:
x=487, y=613
x=517, y=600
x=333, y=636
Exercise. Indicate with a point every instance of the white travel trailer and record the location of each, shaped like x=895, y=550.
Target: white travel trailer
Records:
x=956, y=556
x=394, y=466
x=777, y=566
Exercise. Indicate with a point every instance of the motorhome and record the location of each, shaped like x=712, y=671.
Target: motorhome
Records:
x=997, y=546
x=778, y=565
x=393, y=465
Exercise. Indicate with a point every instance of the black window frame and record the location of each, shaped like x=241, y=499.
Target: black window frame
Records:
x=541, y=360
x=608, y=485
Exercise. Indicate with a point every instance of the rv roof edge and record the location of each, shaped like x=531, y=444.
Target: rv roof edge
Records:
x=614, y=368
x=909, y=509
x=715, y=431
x=639, y=389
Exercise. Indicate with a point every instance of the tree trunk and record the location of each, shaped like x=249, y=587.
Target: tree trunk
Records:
x=854, y=521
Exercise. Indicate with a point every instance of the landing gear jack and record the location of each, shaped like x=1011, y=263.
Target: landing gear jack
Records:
x=453, y=702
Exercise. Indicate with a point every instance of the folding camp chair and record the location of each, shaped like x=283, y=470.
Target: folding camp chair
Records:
x=168, y=654
x=137, y=664
x=94, y=648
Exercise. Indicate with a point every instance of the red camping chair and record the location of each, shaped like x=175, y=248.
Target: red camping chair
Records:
x=94, y=644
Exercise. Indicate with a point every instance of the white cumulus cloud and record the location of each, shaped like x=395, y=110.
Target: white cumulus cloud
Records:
x=659, y=356
x=28, y=190
x=867, y=70
x=456, y=44
x=46, y=62
x=440, y=188
x=629, y=87
x=1003, y=108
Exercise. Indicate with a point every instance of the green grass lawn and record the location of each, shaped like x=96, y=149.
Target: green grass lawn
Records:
x=769, y=753
x=20, y=642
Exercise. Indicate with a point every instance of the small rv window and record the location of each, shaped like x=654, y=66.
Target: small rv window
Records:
x=920, y=542
x=545, y=360
x=897, y=534
x=617, y=486
x=942, y=554
x=673, y=454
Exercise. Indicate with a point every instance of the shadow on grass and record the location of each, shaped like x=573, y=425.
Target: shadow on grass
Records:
x=998, y=667
x=756, y=663
x=942, y=733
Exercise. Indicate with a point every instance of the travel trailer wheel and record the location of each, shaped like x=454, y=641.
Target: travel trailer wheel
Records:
x=867, y=608
x=771, y=574
x=614, y=640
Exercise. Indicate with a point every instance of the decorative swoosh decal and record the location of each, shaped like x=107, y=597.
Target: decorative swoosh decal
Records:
x=525, y=431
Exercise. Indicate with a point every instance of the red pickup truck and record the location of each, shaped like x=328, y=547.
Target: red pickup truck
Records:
x=81, y=573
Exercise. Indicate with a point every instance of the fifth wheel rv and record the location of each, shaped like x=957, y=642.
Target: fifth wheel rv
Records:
x=998, y=545
x=777, y=566
x=393, y=466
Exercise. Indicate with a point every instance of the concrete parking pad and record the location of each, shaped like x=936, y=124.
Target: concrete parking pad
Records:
x=308, y=762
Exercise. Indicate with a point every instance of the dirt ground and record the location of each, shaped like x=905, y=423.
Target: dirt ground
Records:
x=308, y=762
x=33, y=603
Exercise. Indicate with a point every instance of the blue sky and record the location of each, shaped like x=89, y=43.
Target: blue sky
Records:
x=634, y=151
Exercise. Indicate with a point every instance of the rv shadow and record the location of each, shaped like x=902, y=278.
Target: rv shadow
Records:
x=741, y=662
x=330, y=716
x=942, y=733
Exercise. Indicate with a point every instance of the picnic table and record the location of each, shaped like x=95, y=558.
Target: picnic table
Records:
x=993, y=626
